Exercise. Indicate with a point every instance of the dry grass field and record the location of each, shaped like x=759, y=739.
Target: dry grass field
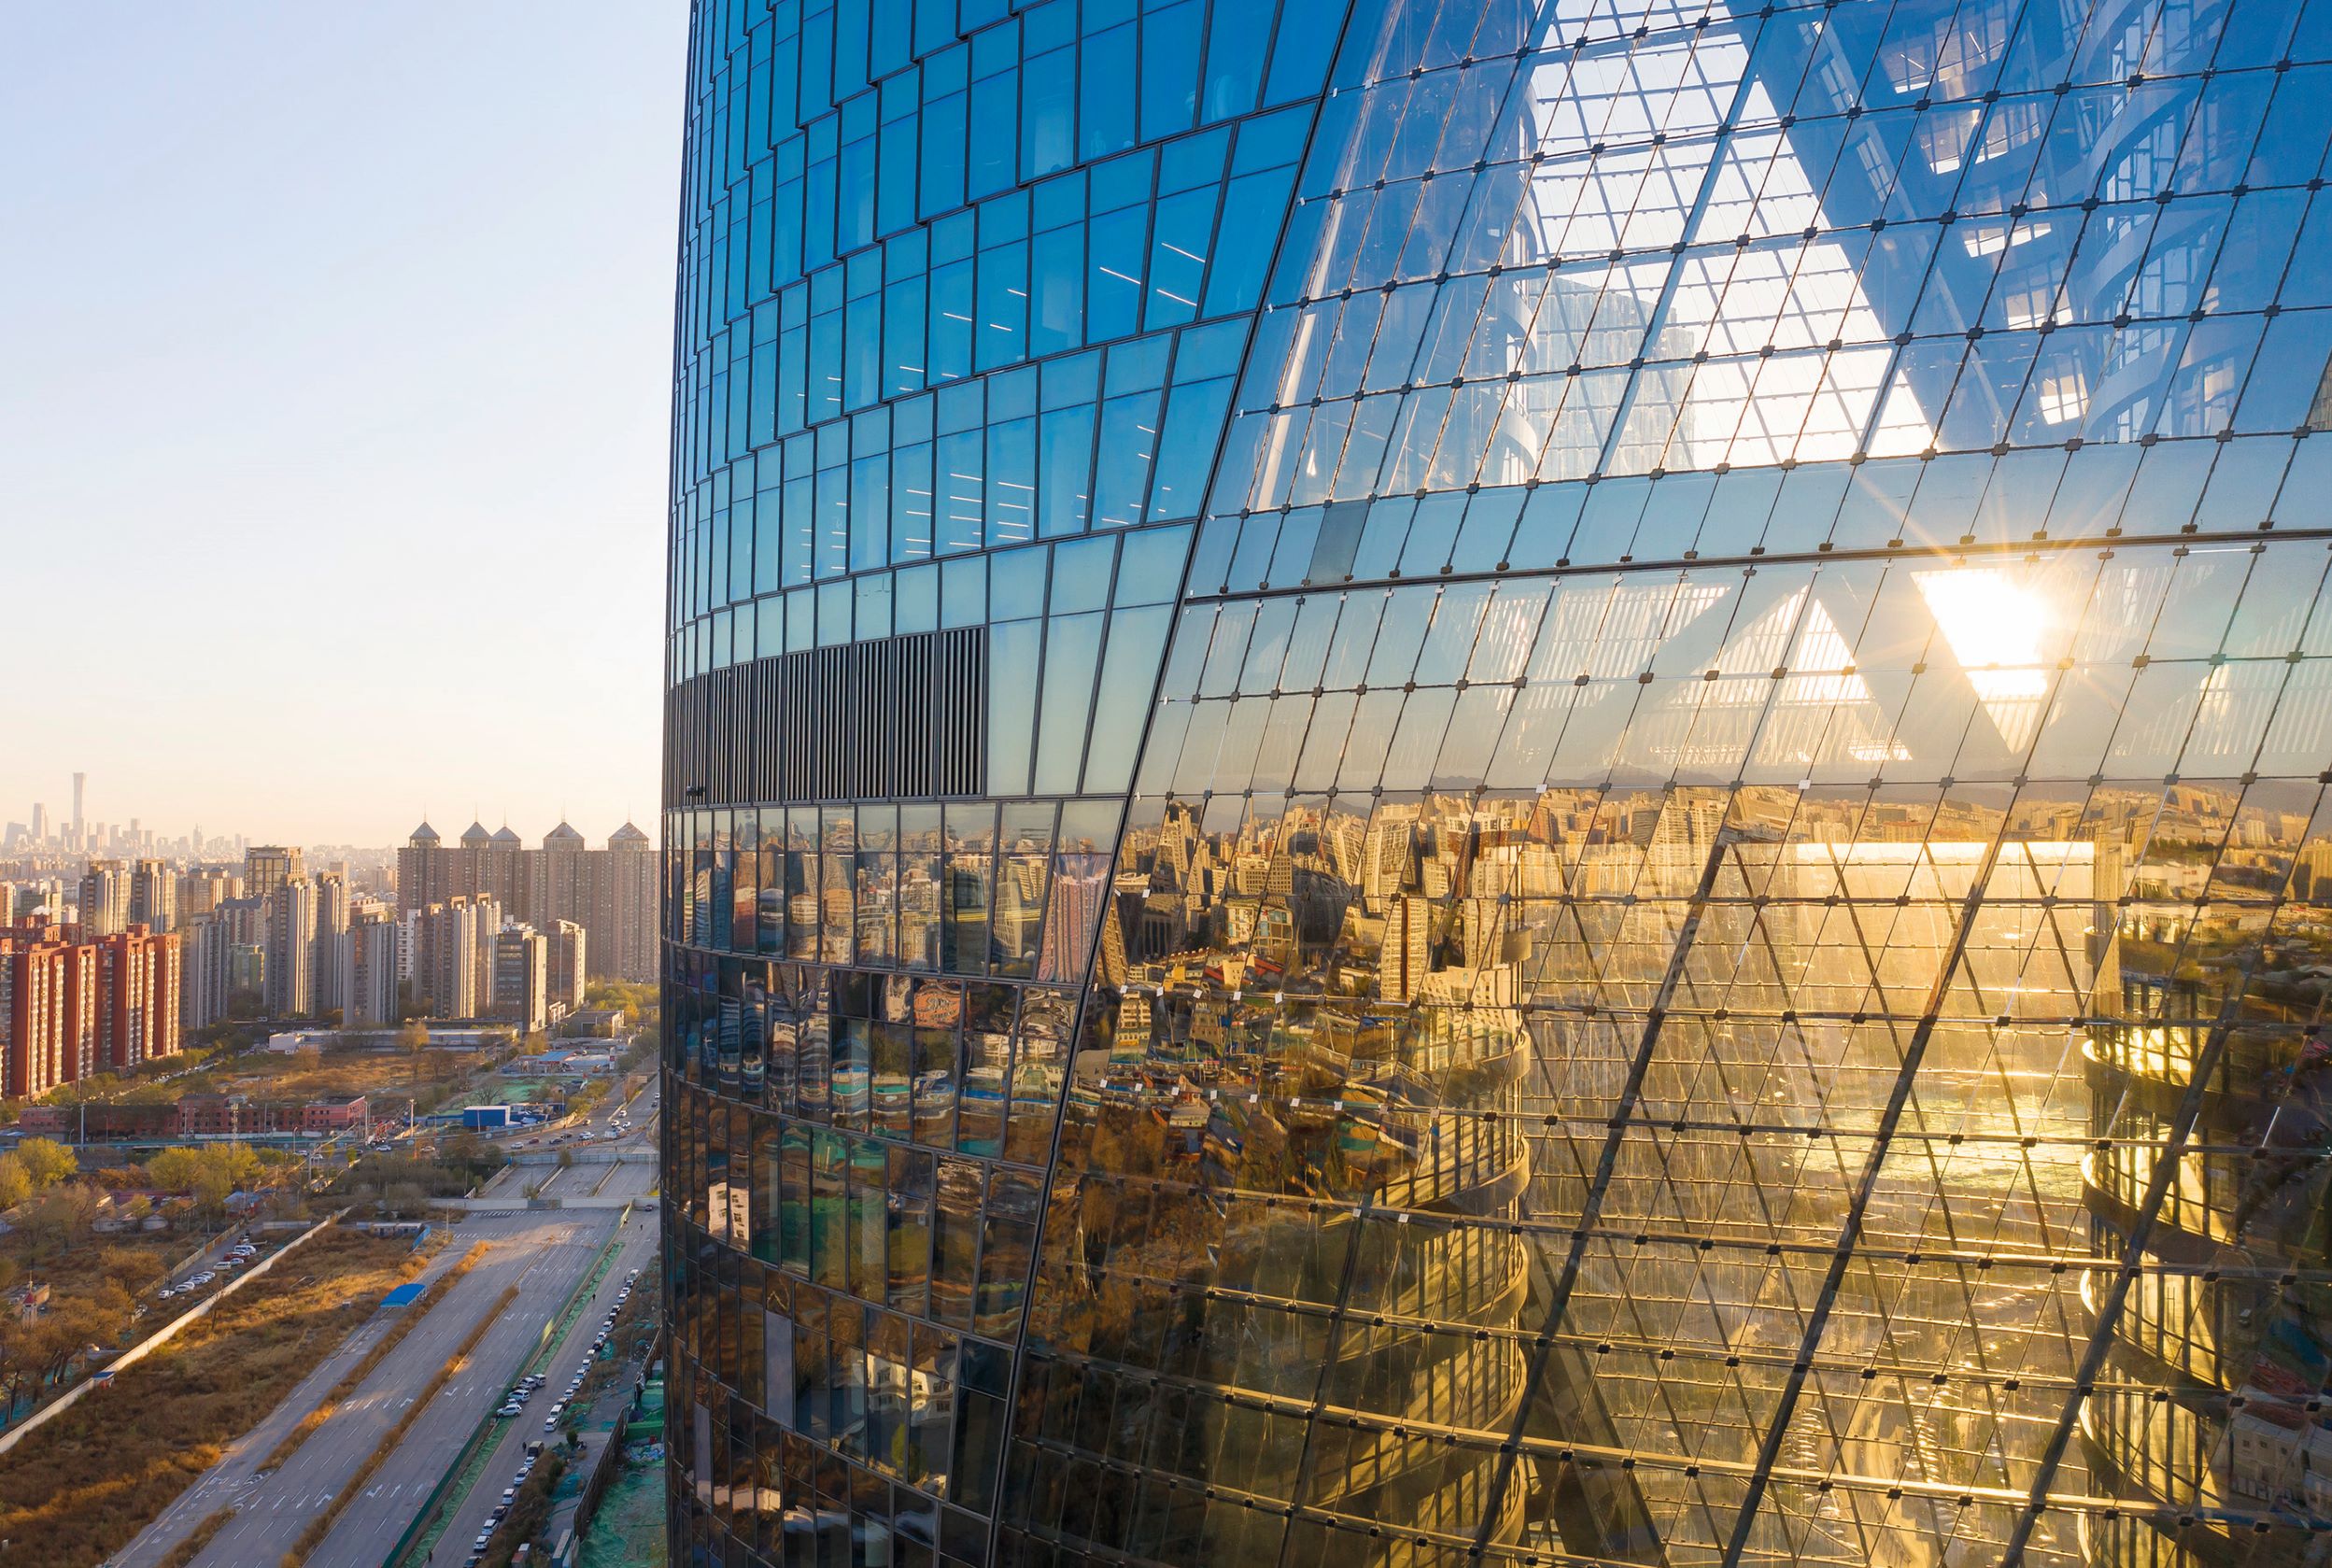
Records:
x=84, y=1486
x=300, y=1075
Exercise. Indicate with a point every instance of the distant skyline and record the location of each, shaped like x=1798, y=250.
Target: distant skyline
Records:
x=448, y=825
x=334, y=394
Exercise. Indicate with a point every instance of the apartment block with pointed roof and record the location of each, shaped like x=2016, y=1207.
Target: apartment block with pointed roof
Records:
x=611, y=893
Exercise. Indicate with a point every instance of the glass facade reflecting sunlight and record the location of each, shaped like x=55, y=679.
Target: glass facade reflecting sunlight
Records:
x=1462, y=782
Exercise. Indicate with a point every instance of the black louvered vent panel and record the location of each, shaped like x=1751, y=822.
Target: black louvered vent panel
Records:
x=902, y=718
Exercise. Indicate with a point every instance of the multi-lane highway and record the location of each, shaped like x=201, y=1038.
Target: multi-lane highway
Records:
x=549, y=1259
x=547, y=1254
x=544, y=1254
x=636, y=1250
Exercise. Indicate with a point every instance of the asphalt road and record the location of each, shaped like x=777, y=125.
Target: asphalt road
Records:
x=547, y=1265
x=638, y=1250
x=627, y=1181
x=544, y=1252
x=641, y=1106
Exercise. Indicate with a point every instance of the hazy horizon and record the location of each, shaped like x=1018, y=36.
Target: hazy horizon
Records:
x=337, y=348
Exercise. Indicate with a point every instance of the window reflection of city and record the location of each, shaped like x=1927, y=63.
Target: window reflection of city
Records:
x=2219, y=1354
x=1353, y=1073
x=871, y=1140
x=1391, y=1106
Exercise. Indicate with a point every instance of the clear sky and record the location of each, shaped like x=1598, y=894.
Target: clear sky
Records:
x=335, y=358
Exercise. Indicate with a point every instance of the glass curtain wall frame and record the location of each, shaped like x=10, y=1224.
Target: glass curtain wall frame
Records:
x=1712, y=954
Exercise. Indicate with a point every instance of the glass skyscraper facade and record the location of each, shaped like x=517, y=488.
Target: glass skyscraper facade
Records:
x=1463, y=782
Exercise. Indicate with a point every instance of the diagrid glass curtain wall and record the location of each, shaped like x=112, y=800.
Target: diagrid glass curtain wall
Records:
x=1464, y=782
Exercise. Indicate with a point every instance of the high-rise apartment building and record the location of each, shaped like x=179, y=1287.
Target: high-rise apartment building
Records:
x=202, y=889
x=569, y=959
x=623, y=914
x=268, y=867
x=203, y=954
x=453, y=956
x=332, y=921
x=107, y=894
x=31, y=1011
x=503, y=872
x=291, y=925
x=154, y=895
x=367, y=962
x=73, y=1004
x=140, y=981
x=521, y=979
x=425, y=874
x=243, y=931
x=81, y=1025
x=611, y=893
x=1674, y=658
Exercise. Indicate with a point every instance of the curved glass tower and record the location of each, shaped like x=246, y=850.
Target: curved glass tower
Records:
x=1462, y=782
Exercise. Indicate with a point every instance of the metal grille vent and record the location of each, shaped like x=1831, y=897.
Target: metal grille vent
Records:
x=897, y=718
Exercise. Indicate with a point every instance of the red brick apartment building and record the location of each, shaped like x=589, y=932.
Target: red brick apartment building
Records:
x=71, y=1007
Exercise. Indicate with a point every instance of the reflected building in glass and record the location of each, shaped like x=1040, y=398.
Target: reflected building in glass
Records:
x=1465, y=781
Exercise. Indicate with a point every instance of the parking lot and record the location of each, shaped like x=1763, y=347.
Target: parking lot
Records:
x=226, y=1258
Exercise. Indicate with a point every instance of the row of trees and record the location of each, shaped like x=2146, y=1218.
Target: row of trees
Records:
x=210, y=1173
x=400, y=1185
x=34, y=1167
x=55, y=1212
